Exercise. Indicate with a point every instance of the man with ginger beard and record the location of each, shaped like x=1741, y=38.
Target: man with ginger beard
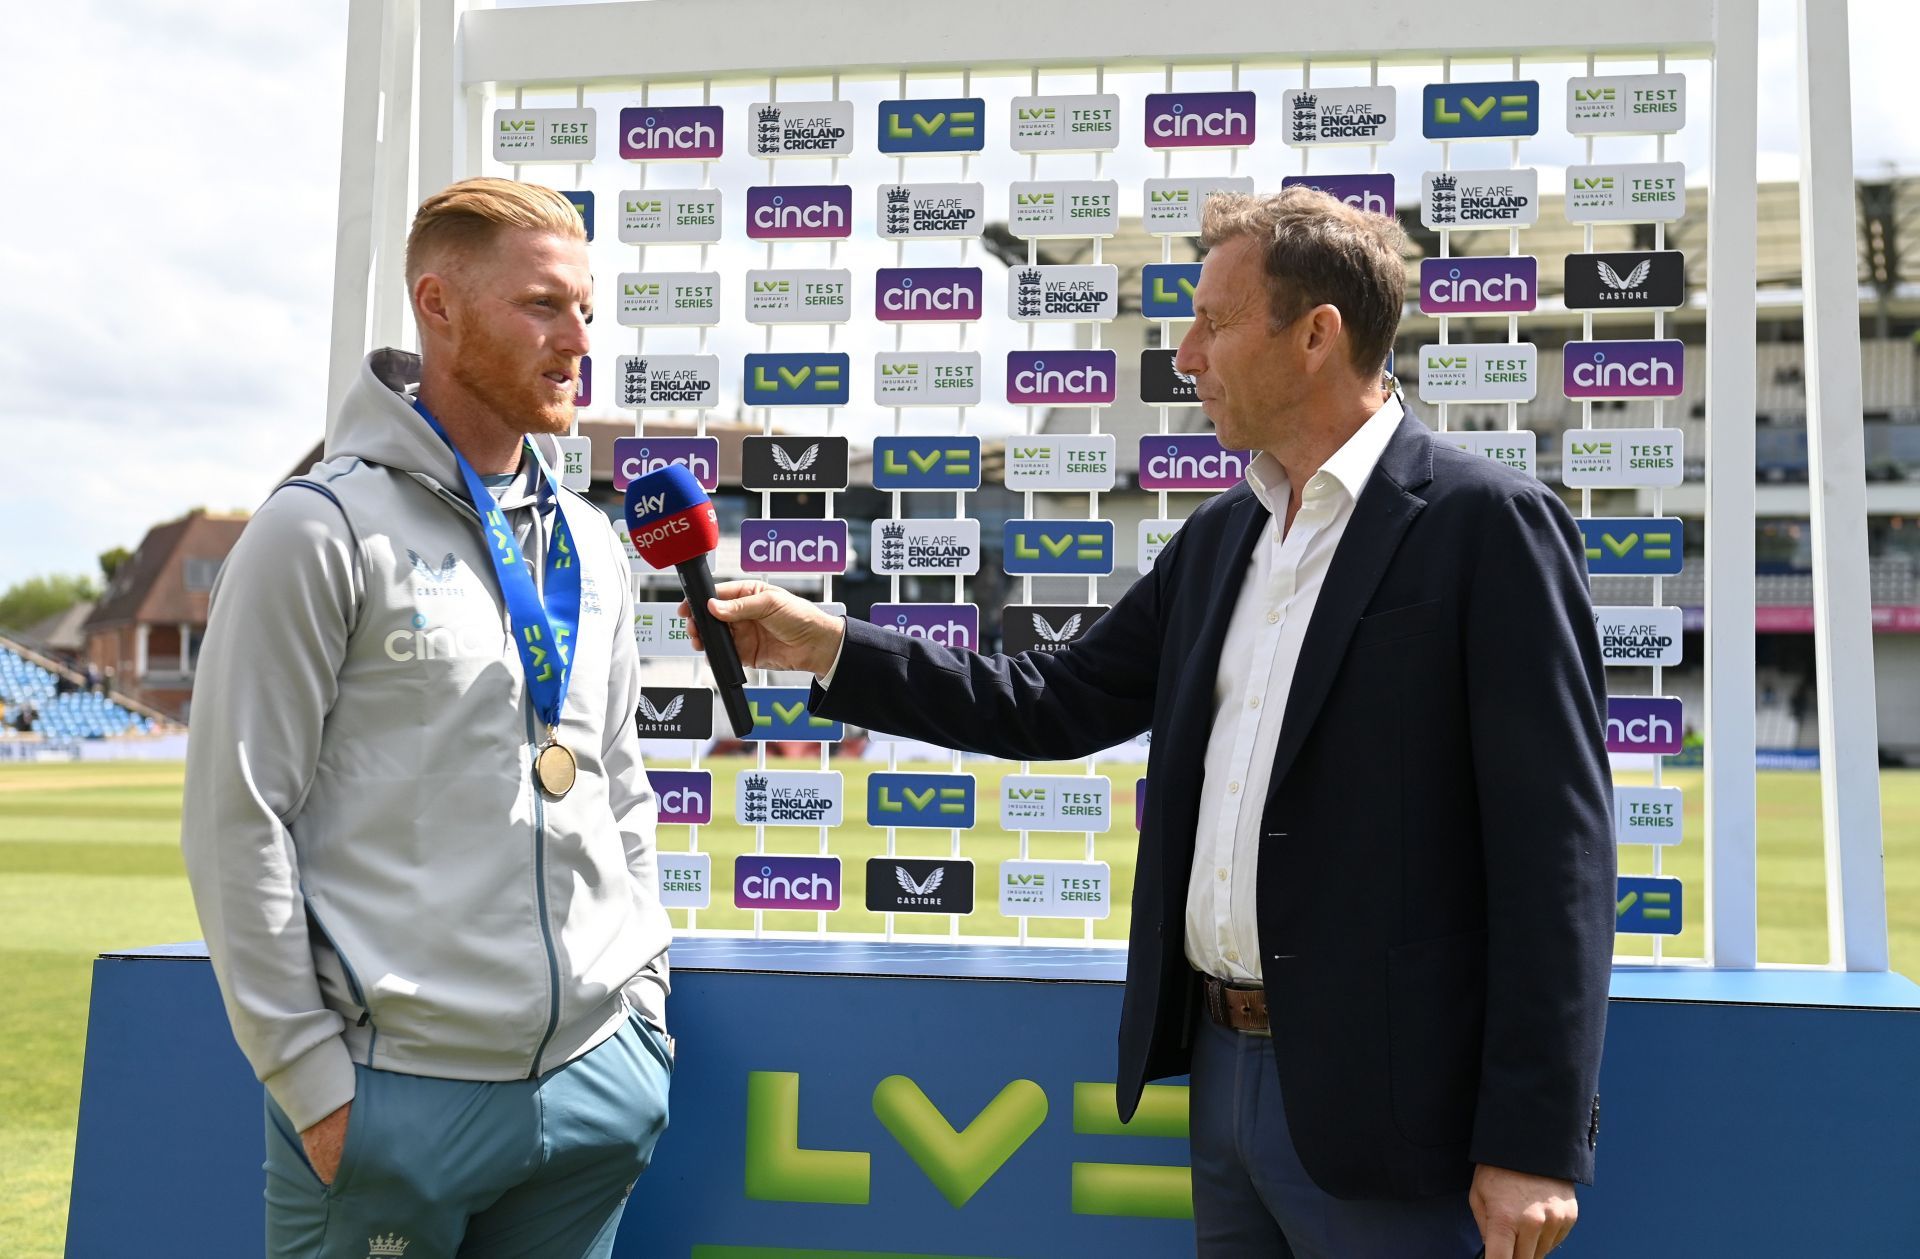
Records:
x=419, y=834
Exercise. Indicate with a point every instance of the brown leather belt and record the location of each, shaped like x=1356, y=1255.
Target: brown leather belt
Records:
x=1241, y=1009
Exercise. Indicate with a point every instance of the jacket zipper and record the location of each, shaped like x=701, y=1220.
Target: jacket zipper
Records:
x=539, y=848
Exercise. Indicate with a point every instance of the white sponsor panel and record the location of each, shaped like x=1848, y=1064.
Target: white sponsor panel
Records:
x=543, y=135
x=930, y=211
x=1063, y=207
x=1485, y=372
x=575, y=464
x=1627, y=192
x=1639, y=637
x=1311, y=117
x=1056, y=889
x=666, y=382
x=1476, y=200
x=686, y=880
x=1171, y=207
x=1647, y=815
x=947, y=547
x=1626, y=104
x=658, y=630
x=949, y=378
x=1513, y=447
x=1620, y=458
x=800, y=129
x=1153, y=538
x=1064, y=124
x=1061, y=461
x=670, y=216
x=651, y=299
x=788, y=797
x=799, y=295
x=1046, y=293
x=1056, y=802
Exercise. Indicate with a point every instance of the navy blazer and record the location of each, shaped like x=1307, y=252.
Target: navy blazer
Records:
x=1436, y=881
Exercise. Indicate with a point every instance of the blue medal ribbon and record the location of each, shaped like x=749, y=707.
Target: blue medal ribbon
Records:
x=542, y=628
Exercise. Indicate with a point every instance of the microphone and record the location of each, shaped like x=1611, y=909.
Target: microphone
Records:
x=672, y=524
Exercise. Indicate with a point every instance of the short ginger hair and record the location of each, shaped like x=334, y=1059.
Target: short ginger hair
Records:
x=468, y=215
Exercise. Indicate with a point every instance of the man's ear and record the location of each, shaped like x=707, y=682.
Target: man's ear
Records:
x=430, y=305
x=1319, y=332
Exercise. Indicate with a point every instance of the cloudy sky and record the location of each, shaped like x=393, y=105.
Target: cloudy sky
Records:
x=166, y=251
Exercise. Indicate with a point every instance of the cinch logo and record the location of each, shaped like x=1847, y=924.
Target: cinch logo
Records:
x=1187, y=120
x=799, y=212
x=949, y=624
x=669, y=133
x=685, y=795
x=920, y=294
x=1082, y=548
x=1456, y=111
x=793, y=546
x=926, y=463
x=1061, y=377
x=1623, y=369
x=789, y=380
x=1189, y=461
x=634, y=457
x=418, y=642
x=1650, y=546
x=1478, y=286
x=1166, y=289
x=1644, y=724
x=928, y=801
x=1372, y=193
x=950, y=125
x=780, y=712
x=761, y=881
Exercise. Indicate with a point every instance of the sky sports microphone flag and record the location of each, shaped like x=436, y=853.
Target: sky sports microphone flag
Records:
x=672, y=524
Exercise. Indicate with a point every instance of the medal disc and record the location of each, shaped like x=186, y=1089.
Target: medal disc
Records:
x=555, y=769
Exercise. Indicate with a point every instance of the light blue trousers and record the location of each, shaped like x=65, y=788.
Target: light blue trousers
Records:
x=524, y=1169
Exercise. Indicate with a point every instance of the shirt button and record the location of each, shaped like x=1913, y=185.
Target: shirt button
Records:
x=1232, y=956
x=1233, y=789
x=1221, y=873
x=1273, y=618
x=1254, y=702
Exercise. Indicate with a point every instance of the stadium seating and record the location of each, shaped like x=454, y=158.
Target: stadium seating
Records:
x=75, y=715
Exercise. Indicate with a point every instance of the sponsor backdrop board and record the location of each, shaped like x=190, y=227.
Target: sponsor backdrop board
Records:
x=871, y=1034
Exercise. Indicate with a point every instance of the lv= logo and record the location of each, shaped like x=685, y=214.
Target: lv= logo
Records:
x=961, y=1161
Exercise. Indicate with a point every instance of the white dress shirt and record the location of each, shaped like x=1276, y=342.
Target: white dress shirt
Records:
x=1269, y=622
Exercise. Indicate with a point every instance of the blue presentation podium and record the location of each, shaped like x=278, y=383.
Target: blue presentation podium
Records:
x=872, y=1101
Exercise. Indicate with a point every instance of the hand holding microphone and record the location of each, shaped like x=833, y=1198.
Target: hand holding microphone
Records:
x=672, y=524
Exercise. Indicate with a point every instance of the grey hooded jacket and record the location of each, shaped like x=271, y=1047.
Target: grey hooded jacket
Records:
x=378, y=877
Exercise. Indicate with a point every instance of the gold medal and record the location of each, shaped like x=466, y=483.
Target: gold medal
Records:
x=554, y=769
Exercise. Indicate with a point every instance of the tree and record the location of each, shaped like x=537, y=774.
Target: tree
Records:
x=38, y=598
x=110, y=561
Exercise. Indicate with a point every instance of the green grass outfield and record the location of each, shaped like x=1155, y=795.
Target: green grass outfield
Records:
x=89, y=861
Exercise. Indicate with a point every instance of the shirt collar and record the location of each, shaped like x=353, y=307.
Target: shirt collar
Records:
x=1349, y=467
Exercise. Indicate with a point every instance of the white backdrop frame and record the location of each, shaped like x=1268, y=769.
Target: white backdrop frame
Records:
x=421, y=76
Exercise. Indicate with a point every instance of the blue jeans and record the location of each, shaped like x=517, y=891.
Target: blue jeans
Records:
x=521, y=1169
x=1253, y=1200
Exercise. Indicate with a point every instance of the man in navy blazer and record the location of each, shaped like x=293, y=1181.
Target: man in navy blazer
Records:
x=1373, y=908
